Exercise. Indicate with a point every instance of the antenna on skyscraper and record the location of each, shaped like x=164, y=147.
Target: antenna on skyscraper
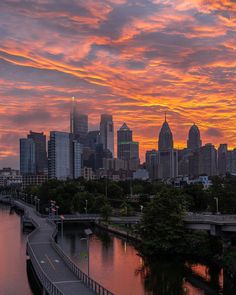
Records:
x=72, y=113
x=165, y=115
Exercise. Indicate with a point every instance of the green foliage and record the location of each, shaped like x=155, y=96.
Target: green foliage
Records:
x=162, y=228
x=229, y=261
x=106, y=212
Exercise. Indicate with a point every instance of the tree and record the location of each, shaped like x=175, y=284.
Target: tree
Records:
x=106, y=212
x=162, y=226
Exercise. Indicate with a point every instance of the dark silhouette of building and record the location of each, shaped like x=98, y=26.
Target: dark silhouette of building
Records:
x=168, y=157
x=78, y=123
x=41, y=161
x=152, y=164
x=194, y=138
x=127, y=149
x=107, y=132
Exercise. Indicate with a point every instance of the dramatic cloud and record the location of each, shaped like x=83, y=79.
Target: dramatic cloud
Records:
x=133, y=58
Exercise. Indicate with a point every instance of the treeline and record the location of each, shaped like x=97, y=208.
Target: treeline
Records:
x=71, y=195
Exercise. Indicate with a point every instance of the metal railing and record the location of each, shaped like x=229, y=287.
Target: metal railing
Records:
x=45, y=281
x=84, y=278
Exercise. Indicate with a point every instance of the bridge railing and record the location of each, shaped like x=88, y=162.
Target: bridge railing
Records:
x=85, y=279
x=45, y=281
x=210, y=218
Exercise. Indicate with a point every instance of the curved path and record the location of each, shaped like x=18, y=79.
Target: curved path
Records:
x=57, y=273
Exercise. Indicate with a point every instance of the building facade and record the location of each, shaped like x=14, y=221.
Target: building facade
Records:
x=60, y=155
x=167, y=155
x=27, y=156
x=107, y=132
x=41, y=161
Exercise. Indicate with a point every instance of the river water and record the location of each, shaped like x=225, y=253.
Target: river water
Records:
x=13, y=268
x=117, y=266
x=113, y=262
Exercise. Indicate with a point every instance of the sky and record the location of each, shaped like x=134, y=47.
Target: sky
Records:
x=135, y=59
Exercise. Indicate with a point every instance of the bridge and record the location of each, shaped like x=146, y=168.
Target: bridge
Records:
x=216, y=225
x=57, y=274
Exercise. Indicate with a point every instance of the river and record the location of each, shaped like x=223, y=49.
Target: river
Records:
x=113, y=262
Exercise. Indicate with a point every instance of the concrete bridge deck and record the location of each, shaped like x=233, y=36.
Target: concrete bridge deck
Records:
x=56, y=272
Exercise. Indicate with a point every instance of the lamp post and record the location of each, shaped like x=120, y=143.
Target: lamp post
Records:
x=86, y=206
x=217, y=205
x=88, y=232
x=62, y=237
x=141, y=208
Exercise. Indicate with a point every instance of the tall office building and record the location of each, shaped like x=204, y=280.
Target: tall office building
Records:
x=78, y=123
x=167, y=155
x=165, y=141
x=152, y=164
x=107, y=132
x=77, y=159
x=194, y=139
x=60, y=155
x=27, y=156
x=223, y=163
x=124, y=134
x=208, y=160
x=92, y=139
x=41, y=162
x=127, y=149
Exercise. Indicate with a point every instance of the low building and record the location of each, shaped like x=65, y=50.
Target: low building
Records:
x=141, y=174
x=33, y=179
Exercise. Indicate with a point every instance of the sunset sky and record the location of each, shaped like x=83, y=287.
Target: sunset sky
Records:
x=135, y=59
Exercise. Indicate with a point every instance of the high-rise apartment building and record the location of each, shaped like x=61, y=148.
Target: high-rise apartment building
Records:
x=107, y=132
x=60, y=156
x=27, y=156
x=41, y=162
x=78, y=123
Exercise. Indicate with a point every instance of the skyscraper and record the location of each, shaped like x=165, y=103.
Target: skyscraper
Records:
x=27, y=156
x=60, y=155
x=107, y=132
x=127, y=149
x=77, y=159
x=208, y=160
x=222, y=158
x=41, y=163
x=124, y=134
x=194, y=139
x=152, y=164
x=78, y=123
x=165, y=141
x=167, y=156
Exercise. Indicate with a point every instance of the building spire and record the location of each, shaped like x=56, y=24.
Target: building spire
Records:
x=72, y=113
x=165, y=115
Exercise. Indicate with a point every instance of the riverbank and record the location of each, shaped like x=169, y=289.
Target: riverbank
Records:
x=115, y=229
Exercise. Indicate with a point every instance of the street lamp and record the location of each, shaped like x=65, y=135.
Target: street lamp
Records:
x=87, y=232
x=62, y=238
x=217, y=205
x=86, y=206
x=141, y=208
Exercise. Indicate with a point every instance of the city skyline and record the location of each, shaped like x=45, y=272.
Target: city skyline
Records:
x=133, y=59
x=166, y=127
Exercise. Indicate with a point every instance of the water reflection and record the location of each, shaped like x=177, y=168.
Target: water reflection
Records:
x=116, y=265
x=13, y=275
